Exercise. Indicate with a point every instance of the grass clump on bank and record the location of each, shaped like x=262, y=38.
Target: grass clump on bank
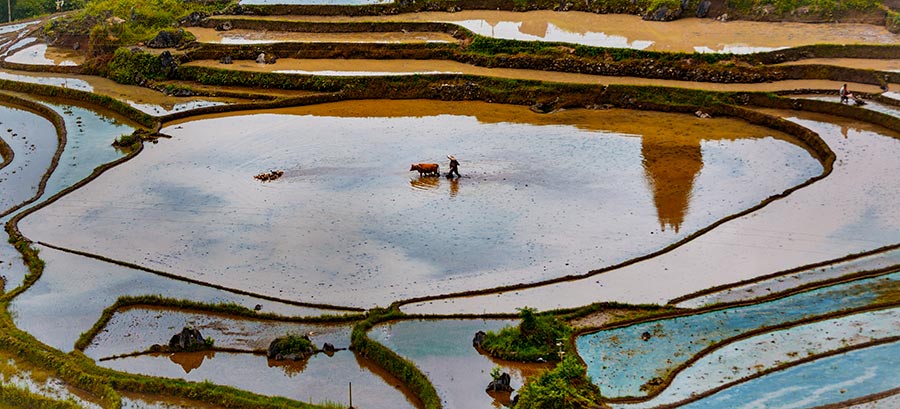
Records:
x=399, y=367
x=565, y=387
x=538, y=337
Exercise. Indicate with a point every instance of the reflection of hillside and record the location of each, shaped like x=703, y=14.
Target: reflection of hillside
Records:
x=537, y=28
x=191, y=360
x=670, y=170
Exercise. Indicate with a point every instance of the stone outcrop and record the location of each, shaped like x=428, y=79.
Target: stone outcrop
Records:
x=501, y=384
x=188, y=340
x=166, y=39
x=479, y=339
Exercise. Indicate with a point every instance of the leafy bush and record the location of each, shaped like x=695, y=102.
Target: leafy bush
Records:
x=565, y=387
x=292, y=344
x=537, y=336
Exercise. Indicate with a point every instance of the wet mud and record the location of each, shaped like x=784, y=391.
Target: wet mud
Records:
x=626, y=31
x=286, y=238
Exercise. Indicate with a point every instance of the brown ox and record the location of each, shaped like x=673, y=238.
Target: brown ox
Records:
x=425, y=168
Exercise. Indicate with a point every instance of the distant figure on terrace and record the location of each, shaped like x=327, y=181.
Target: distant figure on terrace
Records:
x=454, y=167
x=846, y=96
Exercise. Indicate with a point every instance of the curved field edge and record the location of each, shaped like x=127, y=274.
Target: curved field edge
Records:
x=60, y=127
x=86, y=375
x=671, y=374
x=6, y=154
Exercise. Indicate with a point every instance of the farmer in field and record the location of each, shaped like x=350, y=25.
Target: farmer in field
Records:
x=454, y=167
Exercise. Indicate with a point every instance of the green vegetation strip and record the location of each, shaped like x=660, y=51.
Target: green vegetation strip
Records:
x=399, y=367
x=19, y=398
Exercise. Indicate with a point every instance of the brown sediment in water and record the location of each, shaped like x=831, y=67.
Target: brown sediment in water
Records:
x=365, y=66
x=682, y=35
x=168, y=401
x=132, y=93
x=858, y=63
x=242, y=36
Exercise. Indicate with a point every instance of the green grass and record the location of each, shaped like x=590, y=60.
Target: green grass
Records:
x=565, y=387
x=536, y=337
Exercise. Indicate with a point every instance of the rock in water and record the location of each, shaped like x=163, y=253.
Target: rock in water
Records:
x=501, y=384
x=189, y=339
x=479, y=339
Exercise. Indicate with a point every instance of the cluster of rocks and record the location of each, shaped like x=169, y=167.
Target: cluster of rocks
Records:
x=167, y=39
x=269, y=176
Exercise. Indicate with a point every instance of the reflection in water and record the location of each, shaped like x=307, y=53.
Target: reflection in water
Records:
x=434, y=183
x=670, y=169
x=290, y=368
x=537, y=28
x=191, y=360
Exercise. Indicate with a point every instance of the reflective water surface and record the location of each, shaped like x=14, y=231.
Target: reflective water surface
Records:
x=443, y=350
x=850, y=211
x=344, y=225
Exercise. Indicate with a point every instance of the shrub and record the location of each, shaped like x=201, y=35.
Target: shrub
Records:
x=564, y=387
x=536, y=337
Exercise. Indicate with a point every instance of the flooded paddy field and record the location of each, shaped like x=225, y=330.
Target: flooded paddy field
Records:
x=366, y=67
x=144, y=99
x=137, y=329
x=74, y=290
x=33, y=141
x=25, y=377
x=88, y=145
x=41, y=54
x=748, y=359
x=830, y=380
x=320, y=379
x=193, y=208
x=629, y=361
x=239, y=36
x=850, y=211
x=443, y=350
x=626, y=31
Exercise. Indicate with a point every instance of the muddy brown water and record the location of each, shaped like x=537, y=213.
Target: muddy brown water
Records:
x=860, y=63
x=360, y=67
x=238, y=36
x=144, y=99
x=627, y=31
x=509, y=219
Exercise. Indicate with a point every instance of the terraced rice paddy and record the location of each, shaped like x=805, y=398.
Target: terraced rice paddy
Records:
x=768, y=231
